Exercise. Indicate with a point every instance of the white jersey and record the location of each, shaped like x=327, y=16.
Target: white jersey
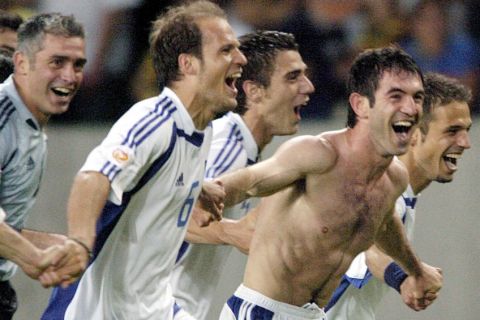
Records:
x=359, y=293
x=155, y=161
x=196, y=274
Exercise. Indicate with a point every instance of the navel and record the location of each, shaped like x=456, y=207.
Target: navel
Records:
x=325, y=229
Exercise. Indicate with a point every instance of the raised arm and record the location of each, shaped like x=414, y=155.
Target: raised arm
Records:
x=293, y=161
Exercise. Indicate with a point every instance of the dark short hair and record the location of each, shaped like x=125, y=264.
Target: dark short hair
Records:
x=6, y=65
x=176, y=32
x=9, y=20
x=440, y=91
x=261, y=49
x=32, y=32
x=367, y=71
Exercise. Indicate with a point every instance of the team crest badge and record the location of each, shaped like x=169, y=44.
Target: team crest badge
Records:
x=120, y=155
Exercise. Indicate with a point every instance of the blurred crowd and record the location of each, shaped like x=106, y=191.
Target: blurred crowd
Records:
x=441, y=35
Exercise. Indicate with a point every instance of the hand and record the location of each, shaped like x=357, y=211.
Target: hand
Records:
x=420, y=291
x=210, y=201
x=201, y=217
x=71, y=266
x=43, y=260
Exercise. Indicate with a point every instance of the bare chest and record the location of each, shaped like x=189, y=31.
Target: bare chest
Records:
x=361, y=211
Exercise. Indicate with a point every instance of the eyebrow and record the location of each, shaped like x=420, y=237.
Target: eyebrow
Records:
x=63, y=57
x=294, y=72
x=459, y=127
x=398, y=90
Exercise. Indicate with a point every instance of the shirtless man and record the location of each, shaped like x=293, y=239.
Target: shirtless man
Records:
x=435, y=149
x=332, y=196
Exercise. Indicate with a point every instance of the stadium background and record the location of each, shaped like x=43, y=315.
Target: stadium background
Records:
x=330, y=33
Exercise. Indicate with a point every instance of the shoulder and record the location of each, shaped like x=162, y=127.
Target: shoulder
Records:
x=314, y=153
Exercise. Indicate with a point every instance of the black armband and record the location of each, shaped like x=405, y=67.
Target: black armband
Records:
x=394, y=276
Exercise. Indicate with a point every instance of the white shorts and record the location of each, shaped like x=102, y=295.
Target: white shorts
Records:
x=249, y=304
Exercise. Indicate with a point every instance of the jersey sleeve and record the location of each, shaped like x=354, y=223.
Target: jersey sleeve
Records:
x=227, y=153
x=133, y=143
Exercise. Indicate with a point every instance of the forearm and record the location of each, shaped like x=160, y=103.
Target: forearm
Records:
x=377, y=261
x=237, y=185
x=16, y=248
x=43, y=240
x=87, y=199
x=237, y=233
x=260, y=180
x=393, y=241
x=211, y=234
x=384, y=268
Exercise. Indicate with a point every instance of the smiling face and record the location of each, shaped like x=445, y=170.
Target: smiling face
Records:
x=221, y=64
x=437, y=153
x=288, y=91
x=397, y=109
x=48, y=81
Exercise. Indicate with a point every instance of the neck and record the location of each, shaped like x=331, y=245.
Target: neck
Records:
x=364, y=153
x=417, y=177
x=197, y=107
x=41, y=117
x=258, y=128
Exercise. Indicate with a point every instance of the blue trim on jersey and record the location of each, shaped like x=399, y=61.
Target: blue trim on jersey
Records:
x=339, y=291
x=133, y=138
x=232, y=143
x=109, y=218
x=10, y=159
x=145, y=120
x=409, y=202
x=248, y=310
x=159, y=121
x=196, y=138
x=176, y=308
x=359, y=283
x=183, y=249
x=228, y=165
x=6, y=110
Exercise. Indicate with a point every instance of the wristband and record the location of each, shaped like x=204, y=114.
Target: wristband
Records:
x=90, y=254
x=394, y=276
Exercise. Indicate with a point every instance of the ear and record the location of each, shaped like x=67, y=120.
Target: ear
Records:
x=253, y=91
x=21, y=63
x=417, y=137
x=359, y=104
x=188, y=64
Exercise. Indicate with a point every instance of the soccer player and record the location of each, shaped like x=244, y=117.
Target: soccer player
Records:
x=131, y=201
x=272, y=90
x=436, y=147
x=48, y=72
x=331, y=196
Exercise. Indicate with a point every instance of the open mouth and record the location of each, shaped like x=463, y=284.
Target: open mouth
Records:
x=232, y=79
x=402, y=126
x=61, y=91
x=297, y=110
x=451, y=159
